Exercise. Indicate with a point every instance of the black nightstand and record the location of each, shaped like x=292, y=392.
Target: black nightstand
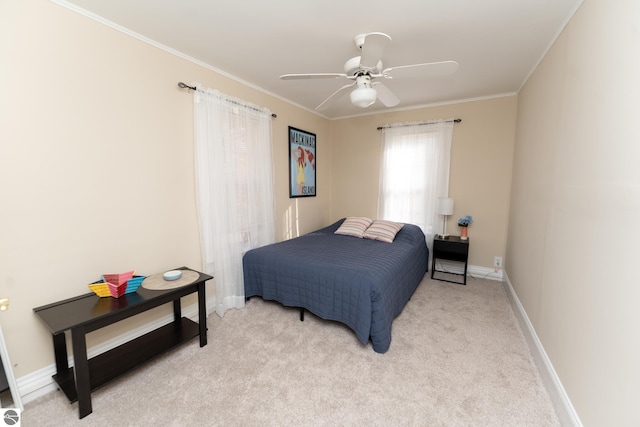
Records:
x=451, y=248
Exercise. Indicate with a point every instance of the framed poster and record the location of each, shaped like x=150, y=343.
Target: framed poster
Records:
x=302, y=163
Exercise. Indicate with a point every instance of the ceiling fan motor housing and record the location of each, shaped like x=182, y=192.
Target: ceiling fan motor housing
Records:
x=352, y=67
x=363, y=81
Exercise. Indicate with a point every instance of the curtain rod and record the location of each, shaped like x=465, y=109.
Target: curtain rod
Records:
x=186, y=86
x=417, y=124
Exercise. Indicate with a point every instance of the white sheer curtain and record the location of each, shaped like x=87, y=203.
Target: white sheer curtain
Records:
x=234, y=188
x=414, y=172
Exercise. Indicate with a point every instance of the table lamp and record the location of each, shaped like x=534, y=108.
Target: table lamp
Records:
x=445, y=207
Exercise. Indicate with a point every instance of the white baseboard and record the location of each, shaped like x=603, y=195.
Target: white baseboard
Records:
x=475, y=271
x=564, y=408
x=40, y=382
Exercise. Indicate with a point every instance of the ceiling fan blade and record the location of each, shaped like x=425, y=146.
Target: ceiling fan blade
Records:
x=388, y=98
x=334, y=96
x=373, y=49
x=429, y=69
x=312, y=76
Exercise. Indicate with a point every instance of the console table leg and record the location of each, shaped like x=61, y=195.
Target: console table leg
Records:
x=83, y=381
x=202, y=314
x=177, y=311
x=60, y=351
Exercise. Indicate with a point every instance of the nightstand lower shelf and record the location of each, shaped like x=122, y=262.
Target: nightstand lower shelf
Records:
x=464, y=275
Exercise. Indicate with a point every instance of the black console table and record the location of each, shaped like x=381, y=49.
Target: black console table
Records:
x=89, y=312
x=451, y=248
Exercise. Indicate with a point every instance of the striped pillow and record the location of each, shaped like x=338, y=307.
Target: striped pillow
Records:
x=354, y=226
x=383, y=230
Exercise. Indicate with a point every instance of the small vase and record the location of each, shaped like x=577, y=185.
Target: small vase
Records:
x=463, y=233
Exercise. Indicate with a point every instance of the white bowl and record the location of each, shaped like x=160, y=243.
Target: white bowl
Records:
x=172, y=275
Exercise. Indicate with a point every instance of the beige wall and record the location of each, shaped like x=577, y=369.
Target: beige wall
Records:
x=96, y=167
x=480, y=175
x=575, y=201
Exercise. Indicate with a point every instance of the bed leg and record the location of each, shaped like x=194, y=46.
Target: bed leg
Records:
x=302, y=314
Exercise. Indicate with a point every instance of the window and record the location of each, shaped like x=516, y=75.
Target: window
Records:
x=414, y=172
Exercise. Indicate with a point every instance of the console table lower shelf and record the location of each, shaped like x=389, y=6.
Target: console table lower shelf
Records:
x=88, y=312
x=110, y=365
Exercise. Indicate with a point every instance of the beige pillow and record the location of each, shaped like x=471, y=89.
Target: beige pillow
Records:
x=354, y=226
x=383, y=230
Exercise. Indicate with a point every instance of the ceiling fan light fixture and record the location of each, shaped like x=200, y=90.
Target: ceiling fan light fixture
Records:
x=363, y=97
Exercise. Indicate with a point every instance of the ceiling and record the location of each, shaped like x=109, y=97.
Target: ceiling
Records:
x=497, y=43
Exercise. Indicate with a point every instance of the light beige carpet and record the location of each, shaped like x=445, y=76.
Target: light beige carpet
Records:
x=457, y=358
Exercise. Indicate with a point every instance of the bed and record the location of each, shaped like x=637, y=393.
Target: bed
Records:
x=360, y=282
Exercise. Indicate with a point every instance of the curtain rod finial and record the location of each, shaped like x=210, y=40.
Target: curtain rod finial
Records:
x=185, y=86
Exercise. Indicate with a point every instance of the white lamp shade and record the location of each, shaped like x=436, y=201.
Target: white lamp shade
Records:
x=445, y=206
x=363, y=97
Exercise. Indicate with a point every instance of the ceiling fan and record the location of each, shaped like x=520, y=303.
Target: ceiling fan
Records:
x=366, y=68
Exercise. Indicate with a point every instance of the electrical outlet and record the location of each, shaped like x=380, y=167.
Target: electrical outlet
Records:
x=497, y=262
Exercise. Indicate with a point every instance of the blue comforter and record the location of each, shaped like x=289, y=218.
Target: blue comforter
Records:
x=362, y=283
